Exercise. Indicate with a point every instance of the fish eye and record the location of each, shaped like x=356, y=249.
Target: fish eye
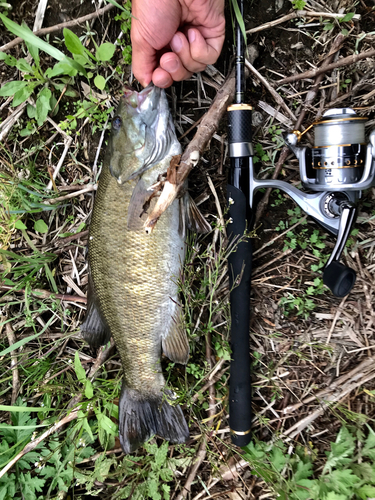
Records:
x=116, y=123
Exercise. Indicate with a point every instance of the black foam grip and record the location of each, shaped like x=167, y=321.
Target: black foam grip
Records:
x=339, y=278
x=239, y=125
x=239, y=267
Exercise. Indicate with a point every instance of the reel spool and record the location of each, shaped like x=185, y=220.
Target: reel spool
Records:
x=337, y=169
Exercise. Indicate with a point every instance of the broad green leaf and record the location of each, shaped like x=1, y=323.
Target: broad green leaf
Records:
x=106, y=424
x=305, y=489
x=34, y=52
x=11, y=61
x=20, y=225
x=89, y=391
x=23, y=65
x=99, y=82
x=366, y=492
x=105, y=51
x=83, y=59
x=334, y=496
x=40, y=226
x=61, y=68
x=369, y=447
x=341, y=450
x=80, y=371
x=161, y=455
x=348, y=17
x=85, y=424
x=342, y=481
x=303, y=471
x=72, y=42
x=43, y=105
x=11, y=88
x=21, y=95
x=364, y=471
x=54, y=107
x=278, y=458
x=31, y=111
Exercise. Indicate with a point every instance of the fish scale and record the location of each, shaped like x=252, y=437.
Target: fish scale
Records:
x=135, y=296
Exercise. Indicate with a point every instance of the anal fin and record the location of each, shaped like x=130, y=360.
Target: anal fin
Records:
x=94, y=328
x=175, y=344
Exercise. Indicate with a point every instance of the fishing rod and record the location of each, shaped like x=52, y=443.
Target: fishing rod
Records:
x=334, y=173
x=239, y=261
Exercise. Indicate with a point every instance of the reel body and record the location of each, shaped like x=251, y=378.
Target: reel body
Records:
x=337, y=169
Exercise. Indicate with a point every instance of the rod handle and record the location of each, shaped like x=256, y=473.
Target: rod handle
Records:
x=239, y=268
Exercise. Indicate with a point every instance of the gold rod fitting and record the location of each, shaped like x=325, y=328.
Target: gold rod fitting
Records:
x=240, y=433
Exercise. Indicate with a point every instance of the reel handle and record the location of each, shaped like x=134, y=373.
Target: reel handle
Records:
x=340, y=279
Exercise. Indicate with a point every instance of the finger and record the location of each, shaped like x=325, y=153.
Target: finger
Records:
x=162, y=78
x=180, y=46
x=144, y=58
x=171, y=63
x=204, y=51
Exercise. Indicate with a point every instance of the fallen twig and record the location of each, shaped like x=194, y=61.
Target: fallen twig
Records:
x=271, y=90
x=45, y=294
x=87, y=189
x=294, y=15
x=59, y=27
x=336, y=45
x=13, y=356
x=346, y=61
x=337, y=391
x=201, y=454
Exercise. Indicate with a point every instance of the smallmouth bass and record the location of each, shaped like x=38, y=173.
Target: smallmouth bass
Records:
x=132, y=293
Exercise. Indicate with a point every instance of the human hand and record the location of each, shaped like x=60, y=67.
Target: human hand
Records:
x=172, y=39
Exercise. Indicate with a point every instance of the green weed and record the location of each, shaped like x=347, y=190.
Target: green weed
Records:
x=47, y=86
x=348, y=471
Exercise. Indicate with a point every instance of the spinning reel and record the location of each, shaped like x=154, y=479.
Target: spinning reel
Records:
x=338, y=168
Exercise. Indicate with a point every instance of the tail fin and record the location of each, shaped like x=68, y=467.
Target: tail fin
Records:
x=142, y=416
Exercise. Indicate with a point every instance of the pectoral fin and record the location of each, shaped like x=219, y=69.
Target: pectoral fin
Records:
x=192, y=217
x=94, y=328
x=175, y=345
x=139, y=203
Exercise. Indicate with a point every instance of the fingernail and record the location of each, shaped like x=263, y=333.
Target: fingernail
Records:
x=176, y=43
x=171, y=65
x=191, y=35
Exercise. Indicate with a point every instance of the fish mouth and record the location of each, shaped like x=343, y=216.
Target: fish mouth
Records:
x=139, y=100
